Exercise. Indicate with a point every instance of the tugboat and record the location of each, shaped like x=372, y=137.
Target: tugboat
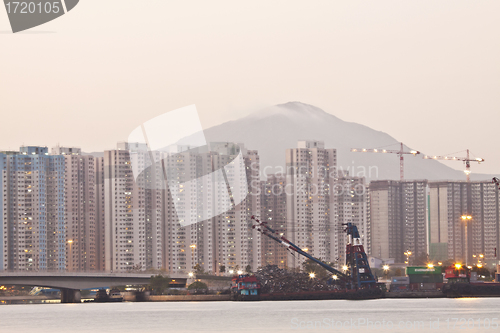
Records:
x=114, y=296
x=245, y=287
x=460, y=285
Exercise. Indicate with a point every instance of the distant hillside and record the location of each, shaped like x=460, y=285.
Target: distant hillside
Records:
x=274, y=129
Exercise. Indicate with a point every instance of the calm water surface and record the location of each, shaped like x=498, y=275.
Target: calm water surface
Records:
x=386, y=315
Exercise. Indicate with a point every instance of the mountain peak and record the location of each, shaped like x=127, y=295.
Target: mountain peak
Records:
x=277, y=128
x=294, y=110
x=296, y=105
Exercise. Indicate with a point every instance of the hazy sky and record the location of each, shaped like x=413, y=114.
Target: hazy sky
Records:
x=426, y=72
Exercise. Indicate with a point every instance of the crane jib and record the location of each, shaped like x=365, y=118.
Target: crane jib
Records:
x=290, y=245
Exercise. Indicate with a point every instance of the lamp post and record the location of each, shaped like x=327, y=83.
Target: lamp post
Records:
x=407, y=254
x=192, y=246
x=468, y=238
x=386, y=269
x=70, y=259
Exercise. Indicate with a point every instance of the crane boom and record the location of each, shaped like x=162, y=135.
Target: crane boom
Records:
x=466, y=160
x=264, y=229
x=400, y=152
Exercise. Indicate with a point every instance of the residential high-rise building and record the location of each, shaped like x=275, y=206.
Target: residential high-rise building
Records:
x=189, y=209
x=4, y=199
x=273, y=212
x=311, y=208
x=147, y=200
x=100, y=215
x=33, y=210
x=250, y=257
x=485, y=221
x=367, y=232
x=80, y=209
x=122, y=248
x=398, y=219
x=210, y=203
x=133, y=187
x=450, y=234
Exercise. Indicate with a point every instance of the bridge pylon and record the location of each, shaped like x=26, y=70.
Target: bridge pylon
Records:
x=71, y=296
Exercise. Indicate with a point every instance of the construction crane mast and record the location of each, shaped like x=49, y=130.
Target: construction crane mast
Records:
x=400, y=152
x=466, y=160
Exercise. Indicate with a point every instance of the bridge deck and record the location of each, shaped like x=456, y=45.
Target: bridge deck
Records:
x=78, y=280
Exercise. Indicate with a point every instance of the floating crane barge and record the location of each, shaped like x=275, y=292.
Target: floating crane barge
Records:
x=355, y=282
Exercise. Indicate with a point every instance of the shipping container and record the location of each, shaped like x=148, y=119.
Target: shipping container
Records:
x=423, y=286
x=428, y=286
x=399, y=287
x=400, y=280
x=412, y=270
x=420, y=278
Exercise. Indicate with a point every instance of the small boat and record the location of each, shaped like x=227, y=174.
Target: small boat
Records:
x=245, y=288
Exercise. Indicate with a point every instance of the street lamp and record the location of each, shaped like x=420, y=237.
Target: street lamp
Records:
x=312, y=275
x=345, y=268
x=240, y=272
x=190, y=274
x=430, y=265
x=407, y=254
x=335, y=277
x=231, y=271
x=386, y=269
x=192, y=246
x=70, y=259
x=468, y=241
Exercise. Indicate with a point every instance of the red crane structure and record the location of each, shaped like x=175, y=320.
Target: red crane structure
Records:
x=400, y=152
x=497, y=182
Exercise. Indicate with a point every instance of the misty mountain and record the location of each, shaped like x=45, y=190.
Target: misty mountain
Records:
x=274, y=129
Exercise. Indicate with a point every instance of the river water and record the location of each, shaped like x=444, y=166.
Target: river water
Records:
x=385, y=315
